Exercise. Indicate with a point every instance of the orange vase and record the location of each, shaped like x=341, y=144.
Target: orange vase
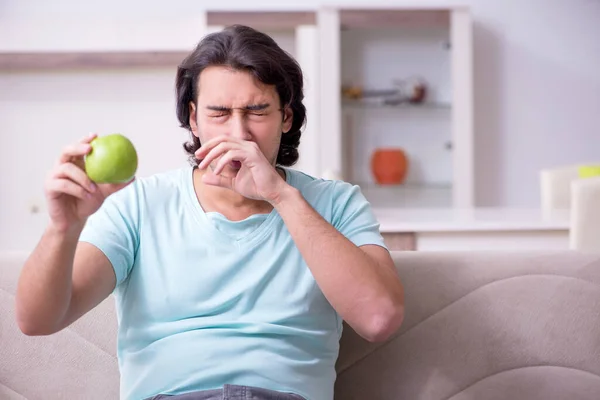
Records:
x=389, y=166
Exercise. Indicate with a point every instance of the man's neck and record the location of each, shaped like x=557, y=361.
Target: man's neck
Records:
x=232, y=205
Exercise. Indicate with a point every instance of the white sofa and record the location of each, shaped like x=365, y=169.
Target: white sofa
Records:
x=478, y=326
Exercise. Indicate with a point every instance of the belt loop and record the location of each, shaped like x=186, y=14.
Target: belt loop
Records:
x=225, y=392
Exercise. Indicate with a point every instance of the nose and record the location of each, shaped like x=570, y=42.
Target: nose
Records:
x=239, y=127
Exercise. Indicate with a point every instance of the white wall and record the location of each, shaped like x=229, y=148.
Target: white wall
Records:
x=537, y=93
x=536, y=80
x=41, y=113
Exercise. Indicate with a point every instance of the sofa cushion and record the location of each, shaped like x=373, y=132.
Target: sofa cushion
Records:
x=76, y=363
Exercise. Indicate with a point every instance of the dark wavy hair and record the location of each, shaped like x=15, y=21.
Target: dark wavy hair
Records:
x=246, y=49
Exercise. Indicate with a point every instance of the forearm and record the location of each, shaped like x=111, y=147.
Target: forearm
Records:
x=364, y=293
x=45, y=284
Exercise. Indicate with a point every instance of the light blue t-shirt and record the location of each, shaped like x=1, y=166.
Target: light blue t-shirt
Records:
x=203, y=301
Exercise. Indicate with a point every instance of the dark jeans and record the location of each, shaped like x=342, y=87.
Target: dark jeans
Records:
x=232, y=392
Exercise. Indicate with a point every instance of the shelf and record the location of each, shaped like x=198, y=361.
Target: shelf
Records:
x=407, y=195
x=360, y=104
x=356, y=18
x=89, y=60
x=53, y=60
x=349, y=18
x=470, y=220
x=262, y=19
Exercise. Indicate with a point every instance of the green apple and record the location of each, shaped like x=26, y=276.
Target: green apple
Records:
x=113, y=159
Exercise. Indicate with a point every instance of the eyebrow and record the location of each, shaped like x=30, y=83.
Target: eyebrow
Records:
x=249, y=107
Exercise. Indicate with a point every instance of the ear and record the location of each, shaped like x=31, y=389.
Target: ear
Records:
x=192, y=121
x=288, y=119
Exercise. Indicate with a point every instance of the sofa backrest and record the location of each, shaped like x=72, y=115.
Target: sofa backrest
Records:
x=485, y=326
x=478, y=326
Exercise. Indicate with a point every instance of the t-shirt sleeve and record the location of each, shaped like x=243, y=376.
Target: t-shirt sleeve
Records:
x=113, y=229
x=353, y=216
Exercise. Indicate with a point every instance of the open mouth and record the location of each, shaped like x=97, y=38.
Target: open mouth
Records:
x=235, y=164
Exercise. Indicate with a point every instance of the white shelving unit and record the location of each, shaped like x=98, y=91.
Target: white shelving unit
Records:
x=370, y=48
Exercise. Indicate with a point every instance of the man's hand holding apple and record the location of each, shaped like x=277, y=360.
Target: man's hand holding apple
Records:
x=71, y=195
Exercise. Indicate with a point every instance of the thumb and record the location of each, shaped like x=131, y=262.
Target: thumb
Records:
x=210, y=178
x=110, y=188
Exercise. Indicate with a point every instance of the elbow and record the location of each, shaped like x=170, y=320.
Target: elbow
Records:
x=384, y=322
x=30, y=330
x=30, y=327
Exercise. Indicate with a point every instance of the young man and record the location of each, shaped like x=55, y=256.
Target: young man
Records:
x=231, y=277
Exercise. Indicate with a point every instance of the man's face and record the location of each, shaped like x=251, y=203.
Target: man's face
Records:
x=235, y=104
